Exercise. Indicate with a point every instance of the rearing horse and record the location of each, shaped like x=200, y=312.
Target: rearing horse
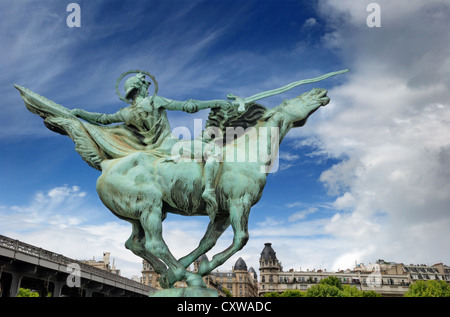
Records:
x=142, y=186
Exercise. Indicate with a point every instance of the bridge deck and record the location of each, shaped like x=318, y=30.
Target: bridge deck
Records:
x=22, y=262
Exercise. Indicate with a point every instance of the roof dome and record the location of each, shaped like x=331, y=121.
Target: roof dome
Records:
x=268, y=253
x=240, y=265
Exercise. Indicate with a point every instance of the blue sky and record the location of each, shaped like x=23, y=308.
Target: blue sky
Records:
x=365, y=178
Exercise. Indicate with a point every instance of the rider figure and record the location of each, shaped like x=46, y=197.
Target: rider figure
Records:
x=146, y=117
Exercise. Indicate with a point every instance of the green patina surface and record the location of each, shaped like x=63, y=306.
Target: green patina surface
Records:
x=185, y=292
x=147, y=173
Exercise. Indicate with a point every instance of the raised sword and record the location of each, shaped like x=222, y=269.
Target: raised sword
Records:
x=241, y=103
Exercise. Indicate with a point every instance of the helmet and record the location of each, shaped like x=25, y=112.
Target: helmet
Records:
x=135, y=82
x=130, y=84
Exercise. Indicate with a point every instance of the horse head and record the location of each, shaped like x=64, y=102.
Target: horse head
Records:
x=297, y=110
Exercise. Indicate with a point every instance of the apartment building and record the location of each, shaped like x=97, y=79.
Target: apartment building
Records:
x=388, y=279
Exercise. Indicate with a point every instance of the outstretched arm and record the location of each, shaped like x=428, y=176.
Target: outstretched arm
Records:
x=189, y=105
x=94, y=117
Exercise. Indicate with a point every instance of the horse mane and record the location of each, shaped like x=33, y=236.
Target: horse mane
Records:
x=231, y=118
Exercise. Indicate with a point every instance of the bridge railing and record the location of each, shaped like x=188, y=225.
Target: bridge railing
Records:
x=40, y=253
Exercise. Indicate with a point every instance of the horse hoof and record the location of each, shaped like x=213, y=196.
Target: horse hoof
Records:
x=174, y=275
x=194, y=280
x=164, y=281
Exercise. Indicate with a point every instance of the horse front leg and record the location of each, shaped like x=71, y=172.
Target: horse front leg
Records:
x=213, y=232
x=239, y=213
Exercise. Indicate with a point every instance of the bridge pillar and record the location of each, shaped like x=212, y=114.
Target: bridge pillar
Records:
x=90, y=287
x=57, y=289
x=88, y=292
x=15, y=284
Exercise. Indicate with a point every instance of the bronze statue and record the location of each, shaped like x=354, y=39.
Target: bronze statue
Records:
x=143, y=178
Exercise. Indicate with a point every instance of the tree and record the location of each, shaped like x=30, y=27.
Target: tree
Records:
x=227, y=292
x=286, y=293
x=370, y=294
x=272, y=294
x=351, y=291
x=324, y=290
x=333, y=281
x=328, y=287
x=293, y=293
x=332, y=287
x=25, y=292
x=432, y=288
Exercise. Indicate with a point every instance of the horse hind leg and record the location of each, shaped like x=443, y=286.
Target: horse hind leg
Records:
x=239, y=212
x=136, y=244
x=213, y=232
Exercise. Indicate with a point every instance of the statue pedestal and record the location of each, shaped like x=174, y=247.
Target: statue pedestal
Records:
x=185, y=292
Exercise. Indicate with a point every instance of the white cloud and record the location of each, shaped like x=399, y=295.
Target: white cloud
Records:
x=309, y=23
x=388, y=123
x=389, y=120
x=288, y=160
x=58, y=206
x=345, y=201
x=62, y=220
x=288, y=156
x=299, y=215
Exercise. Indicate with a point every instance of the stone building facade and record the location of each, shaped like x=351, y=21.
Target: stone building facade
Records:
x=240, y=281
x=388, y=279
x=104, y=264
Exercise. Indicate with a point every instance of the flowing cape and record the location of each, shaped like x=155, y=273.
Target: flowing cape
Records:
x=93, y=142
x=96, y=143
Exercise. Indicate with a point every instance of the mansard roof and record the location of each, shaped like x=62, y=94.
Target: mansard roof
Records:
x=268, y=253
